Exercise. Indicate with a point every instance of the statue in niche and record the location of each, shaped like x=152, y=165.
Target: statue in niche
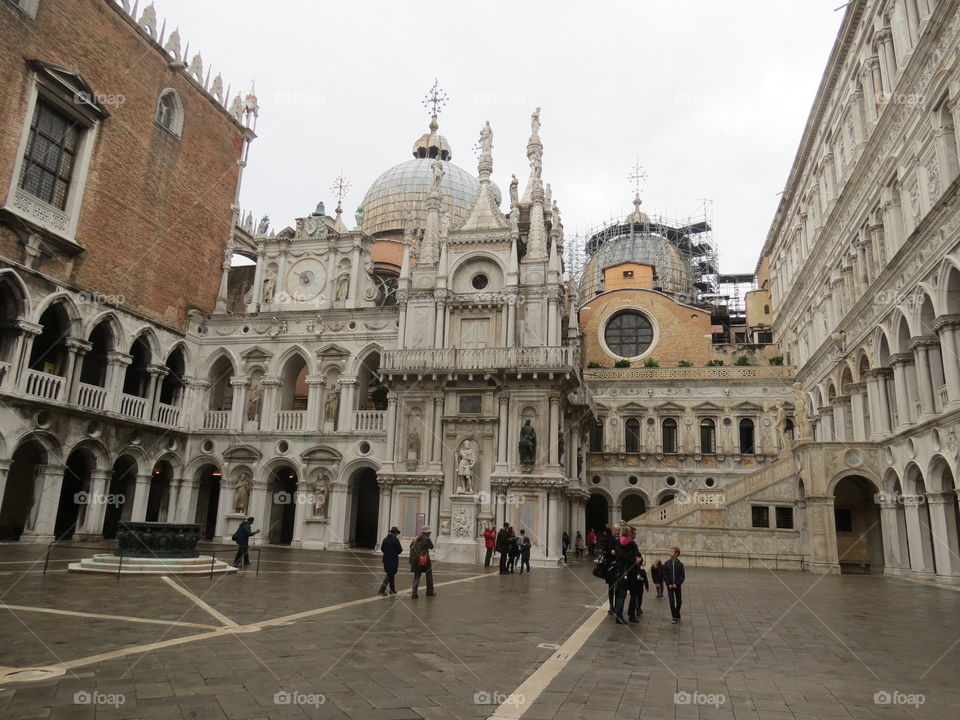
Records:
x=332, y=406
x=264, y=225
x=528, y=444
x=467, y=458
x=413, y=443
x=320, y=498
x=253, y=402
x=242, y=496
x=651, y=444
x=343, y=285
x=579, y=463
x=514, y=192
x=269, y=286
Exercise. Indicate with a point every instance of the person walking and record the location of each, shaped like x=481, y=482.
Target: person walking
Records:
x=391, y=549
x=641, y=585
x=578, y=544
x=420, y=562
x=242, y=538
x=656, y=575
x=609, y=558
x=525, y=546
x=503, y=546
x=565, y=545
x=626, y=571
x=490, y=540
x=673, y=575
x=592, y=542
x=514, y=553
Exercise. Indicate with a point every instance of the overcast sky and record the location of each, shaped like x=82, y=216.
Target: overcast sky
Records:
x=711, y=95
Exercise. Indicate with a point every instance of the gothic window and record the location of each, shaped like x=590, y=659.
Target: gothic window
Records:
x=386, y=286
x=708, y=436
x=747, y=445
x=669, y=428
x=49, y=158
x=170, y=112
x=628, y=334
x=632, y=430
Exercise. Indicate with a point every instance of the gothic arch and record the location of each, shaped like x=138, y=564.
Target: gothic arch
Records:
x=936, y=476
x=13, y=283
x=51, y=446
x=171, y=458
x=184, y=348
x=356, y=362
x=853, y=472
x=69, y=307
x=113, y=323
x=347, y=471
x=196, y=464
x=214, y=357
x=280, y=362
x=948, y=287
x=902, y=332
x=138, y=455
x=94, y=450
x=150, y=338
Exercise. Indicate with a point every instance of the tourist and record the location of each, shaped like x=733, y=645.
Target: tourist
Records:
x=641, y=585
x=674, y=577
x=626, y=573
x=609, y=558
x=578, y=544
x=242, y=538
x=514, y=551
x=565, y=544
x=420, y=562
x=503, y=546
x=592, y=542
x=525, y=546
x=656, y=574
x=490, y=540
x=391, y=549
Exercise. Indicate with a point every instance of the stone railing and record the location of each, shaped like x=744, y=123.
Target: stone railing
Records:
x=290, y=419
x=722, y=372
x=216, y=419
x=368, y=420
x=496, y=358
x=132, y=406
x=92, y=397
x=43, y=385
x=167, y=415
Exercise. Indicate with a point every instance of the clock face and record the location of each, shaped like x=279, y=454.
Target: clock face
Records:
x=306, y=279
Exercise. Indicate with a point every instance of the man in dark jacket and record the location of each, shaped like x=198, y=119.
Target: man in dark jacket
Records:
x=503, y=546
x=609, y=559
x=421, y=563
x=242, y=538
x=627, y=573
x=673, y=576
x=391, y=549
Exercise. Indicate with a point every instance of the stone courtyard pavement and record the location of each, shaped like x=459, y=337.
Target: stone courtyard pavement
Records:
x=309, y=638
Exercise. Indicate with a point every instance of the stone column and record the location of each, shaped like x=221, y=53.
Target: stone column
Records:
x=257, y=508
x=390, y=425
x=140, y=497
x=925, y=389
x=873, y=396
x=41, y=523
x=552, y=325
x=433, y=519
x=383, y=521
x=892, y=562
x=77, y=349
x=946, y=327
x=97, y=505
x=314, y=403
x=841, y=411
x=187, y=500
x=899, y=362
x=885, y=376
x=302, y=509
x=554, y=432
x=238, y=411
x=512, y=322
x=503, y=437
x=437, y=441
x=870, y=66
x=257, y=289
x=822, y=534
x=269, y=401
x=355, y=270
x=348, y=392
x=439, y=324
x=921, y=550
x=153, y=387
x=943, y=530
x=827, y=429
x=553, y=549
x=857, y=418
x=20, y=358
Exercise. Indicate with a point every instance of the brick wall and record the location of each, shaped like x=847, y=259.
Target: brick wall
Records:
x=156, y=211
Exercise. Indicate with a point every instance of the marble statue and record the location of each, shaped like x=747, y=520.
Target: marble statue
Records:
x=413, y=444
x=320, y=499
x=264, y=225
x=332, y=406
x=343, y=285
x=269, y=286
x=242, y=496
x=467, y=459
x=514, y=192
x=535, y=122
x=253, y=403
x=528, y=444
x=437, y=167
x=801, y=414
x=486, y=140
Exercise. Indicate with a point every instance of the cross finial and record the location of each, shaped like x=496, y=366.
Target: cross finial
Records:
x=637, y=176
x=435, y=99
x=340, y=188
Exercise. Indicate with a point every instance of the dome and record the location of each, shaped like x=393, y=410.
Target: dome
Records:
x=405, y=187
x=673, y=272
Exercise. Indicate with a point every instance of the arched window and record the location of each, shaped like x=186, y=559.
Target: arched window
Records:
x=708, y=436
x=596, y=437
x=669, y=428
x=170, y=112
x=747, y=445
x=632, y=430
x=628, y=333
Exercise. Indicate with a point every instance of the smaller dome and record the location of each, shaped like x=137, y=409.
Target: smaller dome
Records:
x=432, y=144
x=637, y=216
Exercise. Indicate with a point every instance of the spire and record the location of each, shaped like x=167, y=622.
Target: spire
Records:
x=430, y=245
x=637, y=176
x=485, y=214
x=534, y=155
x=340, y=188
x=442, y=267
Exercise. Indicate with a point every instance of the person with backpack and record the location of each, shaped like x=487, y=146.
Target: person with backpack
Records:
x=514, y=553
x=503, y=546
x=420, y=562
x=674, y=576
x=391, y=549
x=525, y=546
x=242, y=538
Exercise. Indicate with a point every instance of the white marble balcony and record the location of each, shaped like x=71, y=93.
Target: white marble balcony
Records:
x=43, y=385
x=480, y=359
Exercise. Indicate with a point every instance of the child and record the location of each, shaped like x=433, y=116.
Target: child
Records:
x=579, y=544
x=656, y=574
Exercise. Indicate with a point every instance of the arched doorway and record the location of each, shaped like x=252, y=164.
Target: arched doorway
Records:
x=857, y=520
x=598, y=512
x=76, y=477
x=282, y=504
x=366, y=508
x=158, y=501
x=21, y=488
x=632, y=506
x=123, y=484
x=208, y=500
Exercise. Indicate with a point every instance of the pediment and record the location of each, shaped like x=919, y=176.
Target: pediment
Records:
x=332, y=352
x=69, y=84
x=748, y=407
x=707, y=407
x=668, y=407
x=321, y=456
x=632, y=408
x=242, y=454
x=256, y=354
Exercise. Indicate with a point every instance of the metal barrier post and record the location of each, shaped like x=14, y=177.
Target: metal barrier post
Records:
x=119, y=566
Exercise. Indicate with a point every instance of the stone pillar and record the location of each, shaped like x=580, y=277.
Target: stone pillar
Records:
x=386, y=510
x=439, y=324
x=841, y=417
x=858, y=420
x=269, y=401
x=870, y=66
x=554, y=432
x=348, y=393
x=892, y=561
x=512, y=322
x=314, y=403
x=554, y=521
x=77, y=349
x=238, y=411
x=302, y=509
x=925, y=389
x=827, y=429
x=355, y=270
x=141, y=495
x=20, y=358
x=947, y=330
x=921, y=549
x=96, y=505
x=257, y=289
x=886, y=390
x=437, y=442
x=873, y=396
x=822, y=533
x=390, y=425
x=257, y=508
x=552, y=323
x=187, y=500
x=41, y=523
x=153, y=389
x=503, y=437
x=899, y=362
x=433, y=519
x=943, y=530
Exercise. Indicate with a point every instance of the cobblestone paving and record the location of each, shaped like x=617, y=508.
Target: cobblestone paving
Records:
x=309, y=638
